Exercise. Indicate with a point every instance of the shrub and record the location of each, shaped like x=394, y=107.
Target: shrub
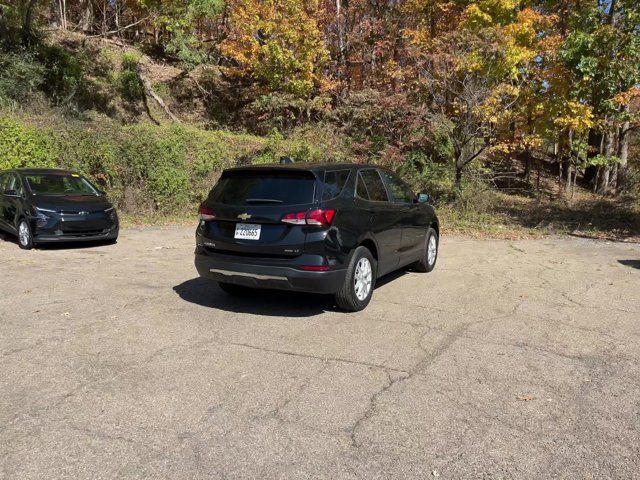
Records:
x=127, y=81
x=20, y=75
x=146, y=168
x=64, y=74
x=25, y=146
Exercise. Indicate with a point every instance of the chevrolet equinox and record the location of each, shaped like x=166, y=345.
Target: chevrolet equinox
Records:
x=322, y=228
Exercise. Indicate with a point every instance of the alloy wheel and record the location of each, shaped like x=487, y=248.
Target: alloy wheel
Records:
x=23, y=234
x=362, y=279
x=432, y=250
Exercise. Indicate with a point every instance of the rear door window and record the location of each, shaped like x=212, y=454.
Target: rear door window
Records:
x=400, y=193
x=255, y=187
x=370, y=186
x=334, y=182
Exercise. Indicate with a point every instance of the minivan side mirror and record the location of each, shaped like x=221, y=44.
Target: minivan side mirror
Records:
x=11, y=193
x=424, y=198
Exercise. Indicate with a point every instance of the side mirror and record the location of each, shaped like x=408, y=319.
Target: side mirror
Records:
x=11, y=193
x=424, y=198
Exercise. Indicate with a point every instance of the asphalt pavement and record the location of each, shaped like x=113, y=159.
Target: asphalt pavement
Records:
x=513, y=359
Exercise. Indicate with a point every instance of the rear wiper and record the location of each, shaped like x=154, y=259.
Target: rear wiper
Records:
x=263, y=200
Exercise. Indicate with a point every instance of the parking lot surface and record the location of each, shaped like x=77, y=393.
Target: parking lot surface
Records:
x=513, y=359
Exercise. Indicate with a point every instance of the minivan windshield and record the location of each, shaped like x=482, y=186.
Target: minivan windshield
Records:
x=59, y=184
x=254, y=187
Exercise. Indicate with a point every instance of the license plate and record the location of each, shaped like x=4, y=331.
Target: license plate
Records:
x=247, y=231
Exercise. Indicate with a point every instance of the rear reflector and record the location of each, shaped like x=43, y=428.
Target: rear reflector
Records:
x=207, y=213
x=316, y=217
x=315, y=268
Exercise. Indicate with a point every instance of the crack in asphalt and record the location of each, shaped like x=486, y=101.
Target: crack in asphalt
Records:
x=419, y=367
x=315, y=357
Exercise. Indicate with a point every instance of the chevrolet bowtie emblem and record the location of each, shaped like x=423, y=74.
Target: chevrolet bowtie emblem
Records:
x=244, y=216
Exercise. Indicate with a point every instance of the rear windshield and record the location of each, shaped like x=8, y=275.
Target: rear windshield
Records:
x=264, y=188
x=59, y=184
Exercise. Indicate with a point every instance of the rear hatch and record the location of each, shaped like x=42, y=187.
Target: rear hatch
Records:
x=246, y=210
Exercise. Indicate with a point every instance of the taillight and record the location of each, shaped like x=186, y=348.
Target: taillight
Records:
x=318, y=217
x=206, y=213
x=298, y=218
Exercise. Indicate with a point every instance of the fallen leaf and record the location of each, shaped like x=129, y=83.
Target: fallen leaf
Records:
x=526, y=398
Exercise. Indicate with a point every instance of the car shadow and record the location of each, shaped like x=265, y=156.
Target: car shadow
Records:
x=6, y=237
x=75, y=245
x=630, y=263
x=277, y=303
x=390, y=277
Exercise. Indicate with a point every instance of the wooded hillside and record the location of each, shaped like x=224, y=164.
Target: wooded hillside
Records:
x=539, y=98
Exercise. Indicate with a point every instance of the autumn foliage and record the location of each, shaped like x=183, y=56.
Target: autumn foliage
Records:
x=456, y=82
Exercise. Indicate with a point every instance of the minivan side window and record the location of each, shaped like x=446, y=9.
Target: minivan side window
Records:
x=370, y=186
x=334, y=182
x=399, y=191
x=3, y=181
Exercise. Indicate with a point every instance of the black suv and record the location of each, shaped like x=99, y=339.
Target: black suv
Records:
x=47, y=205
x=322, y=228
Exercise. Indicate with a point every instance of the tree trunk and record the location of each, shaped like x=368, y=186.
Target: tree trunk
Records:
x=528, y=162
x=148, y=88
x=605, y=173
x=116, y=8
x=458, y=178
x=623, y=154
x=3, y=25
x=594, y=148
x=568, y=160
x=62, y=4
x=27, y=25
x=341, y=52
x=86, y=18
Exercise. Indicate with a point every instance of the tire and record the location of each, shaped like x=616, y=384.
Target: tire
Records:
x=25, y=235
x=424, y=265
x=234, y=290
x=351, y=297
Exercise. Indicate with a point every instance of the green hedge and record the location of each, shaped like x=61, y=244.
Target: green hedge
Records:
x=143, y=168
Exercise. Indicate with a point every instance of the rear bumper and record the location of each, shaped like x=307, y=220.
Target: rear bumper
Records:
x=268, y=276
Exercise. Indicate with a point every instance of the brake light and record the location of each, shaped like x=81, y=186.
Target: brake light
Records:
x=316, y=217
x=320, y=217
x=206, y=213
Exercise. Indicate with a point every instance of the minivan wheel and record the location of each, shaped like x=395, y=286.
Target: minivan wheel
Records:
x=430, y=254
x=357, y=290
x=25, y=236
x=233, y=289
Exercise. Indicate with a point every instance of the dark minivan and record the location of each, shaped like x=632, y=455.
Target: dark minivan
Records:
x=322, y=228
x=48, y=205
